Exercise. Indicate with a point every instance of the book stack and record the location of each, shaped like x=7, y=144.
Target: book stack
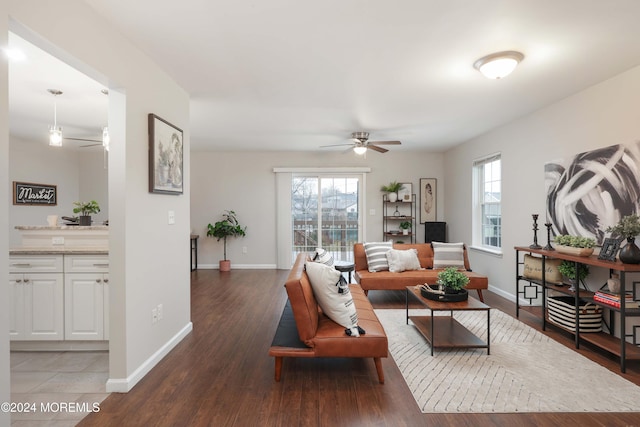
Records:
x=614, y=299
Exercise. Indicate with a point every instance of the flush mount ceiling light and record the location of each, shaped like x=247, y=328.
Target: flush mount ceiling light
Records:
x=55, y=132
x=498, y=65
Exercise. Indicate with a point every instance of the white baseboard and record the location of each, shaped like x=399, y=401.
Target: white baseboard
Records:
x=239, y=266
x=123, y=385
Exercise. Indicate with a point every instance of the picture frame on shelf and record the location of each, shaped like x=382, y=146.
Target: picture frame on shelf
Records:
x=404, y=194
x=609, y=249
x=428, y=199
x=165, y=157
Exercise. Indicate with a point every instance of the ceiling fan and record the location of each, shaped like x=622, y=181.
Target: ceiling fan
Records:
x=95, y=141
x=360, y=143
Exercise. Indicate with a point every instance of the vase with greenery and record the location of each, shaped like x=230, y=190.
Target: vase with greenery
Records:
x=392, y=190
x=568, y=270
x=405, y=226
x=227, y=227
x=628, y=228
x=85, y=209
x=452, y=280
x=574, y=245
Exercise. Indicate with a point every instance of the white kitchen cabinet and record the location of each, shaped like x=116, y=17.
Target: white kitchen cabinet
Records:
x=36, y=290
x=86, y=297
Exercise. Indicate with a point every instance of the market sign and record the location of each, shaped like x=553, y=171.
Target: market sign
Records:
x=27, y=193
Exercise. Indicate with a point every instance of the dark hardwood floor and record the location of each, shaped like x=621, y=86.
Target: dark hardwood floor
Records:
x=220, y=375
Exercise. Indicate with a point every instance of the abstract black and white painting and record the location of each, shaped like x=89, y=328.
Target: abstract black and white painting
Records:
x=593, y=190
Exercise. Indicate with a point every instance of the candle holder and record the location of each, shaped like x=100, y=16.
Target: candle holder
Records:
x=535, y=244
x=548, y=247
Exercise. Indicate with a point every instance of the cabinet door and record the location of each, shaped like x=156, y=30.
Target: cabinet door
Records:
x=84, y=306
x=16, y=307
x=43, y=306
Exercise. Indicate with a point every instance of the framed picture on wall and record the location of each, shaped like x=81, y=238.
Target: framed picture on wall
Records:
x=428, y=197
x=165, y=157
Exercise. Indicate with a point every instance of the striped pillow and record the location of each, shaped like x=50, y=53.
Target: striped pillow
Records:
x=448, y=255
x=323, y=256
x=376, y=253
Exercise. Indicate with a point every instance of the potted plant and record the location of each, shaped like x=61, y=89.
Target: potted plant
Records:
x=227, y=227
x=452, y=280
x=568, y=270
x=86, y=209
x=574, y=245
x=392, y=190
x=628, y=228
x=405, y=226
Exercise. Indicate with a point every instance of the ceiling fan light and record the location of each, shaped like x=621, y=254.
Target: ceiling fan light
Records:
x=105, y=138
x=498, y=65
x=359, y=149
x=55, y=136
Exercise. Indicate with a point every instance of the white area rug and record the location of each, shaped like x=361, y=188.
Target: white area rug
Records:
x=525, y=372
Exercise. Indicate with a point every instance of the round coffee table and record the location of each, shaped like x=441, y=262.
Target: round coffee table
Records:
x=344, y=267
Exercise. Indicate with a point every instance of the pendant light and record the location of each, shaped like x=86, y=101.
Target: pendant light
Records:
x=55, y=131
x=105, y=138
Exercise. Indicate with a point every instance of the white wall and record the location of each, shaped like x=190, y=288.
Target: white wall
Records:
x=77, y=175
x=148, y=258
x=4, y=218
x=602, y=115
x=245, y=182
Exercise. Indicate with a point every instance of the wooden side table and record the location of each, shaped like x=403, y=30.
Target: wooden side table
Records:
x=344, y=267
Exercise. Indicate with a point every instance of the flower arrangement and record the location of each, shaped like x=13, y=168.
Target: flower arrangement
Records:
x=574, y=241
x=628, y=227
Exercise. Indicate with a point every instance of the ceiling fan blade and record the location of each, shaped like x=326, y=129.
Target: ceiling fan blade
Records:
x=376, y=148
x=90, y=145
x=337, y=145
x=84, y=139
x=386, y=142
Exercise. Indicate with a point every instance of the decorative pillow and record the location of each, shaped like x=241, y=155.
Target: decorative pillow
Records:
x=533, y=269
x=323, y=256
x=333, y=296
x=400, y=261
x=376, y=253
x=448, y=255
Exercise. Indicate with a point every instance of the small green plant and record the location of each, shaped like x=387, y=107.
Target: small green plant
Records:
x=574, y=241
x=86, y=208
x=227, y=227
x=568, y=270
x=393, y=187
x=628, y=227
x=452, y=278
x=405, y=225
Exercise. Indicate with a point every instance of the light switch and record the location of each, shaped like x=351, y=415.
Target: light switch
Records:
x=172, y=217
x=372, y=212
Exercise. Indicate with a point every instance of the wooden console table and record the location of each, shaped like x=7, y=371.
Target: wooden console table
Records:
x=607, y=341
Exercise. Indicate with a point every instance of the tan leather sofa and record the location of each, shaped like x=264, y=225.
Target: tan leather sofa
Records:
x=304, y=331
x=385, y=280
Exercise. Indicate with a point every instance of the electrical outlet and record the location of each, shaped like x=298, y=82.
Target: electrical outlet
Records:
x=159, y=311
x=244, y=249
x=172, y=217
x=57, y=240
x=372, y=212
x=154, y=315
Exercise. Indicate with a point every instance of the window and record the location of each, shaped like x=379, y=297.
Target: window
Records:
x=487, y=217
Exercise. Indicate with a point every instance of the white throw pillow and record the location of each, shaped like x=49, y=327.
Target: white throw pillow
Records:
x=400, y=261
x=376, y=253
x=448, y=255
x=323, y=256
x=334, y=298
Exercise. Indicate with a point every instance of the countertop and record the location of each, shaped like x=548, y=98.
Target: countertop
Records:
x=78, y=250
x=62, y=227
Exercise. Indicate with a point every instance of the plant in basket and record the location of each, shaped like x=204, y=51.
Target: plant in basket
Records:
x=453, y=280
x=574, y=245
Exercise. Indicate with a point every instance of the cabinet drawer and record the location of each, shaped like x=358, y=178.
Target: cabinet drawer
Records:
x=86, y=264
x=35, y=264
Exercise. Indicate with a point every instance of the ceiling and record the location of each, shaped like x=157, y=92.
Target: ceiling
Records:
x=295, y=74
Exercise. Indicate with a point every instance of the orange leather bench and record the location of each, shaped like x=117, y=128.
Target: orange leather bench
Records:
x=304, y=331
x=386, y=280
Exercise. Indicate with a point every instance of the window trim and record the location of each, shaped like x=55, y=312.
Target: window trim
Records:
x=477, y=204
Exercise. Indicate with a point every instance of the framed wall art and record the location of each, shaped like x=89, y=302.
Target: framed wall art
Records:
x=30, y=194
x=428, y=197
x=165, y=157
